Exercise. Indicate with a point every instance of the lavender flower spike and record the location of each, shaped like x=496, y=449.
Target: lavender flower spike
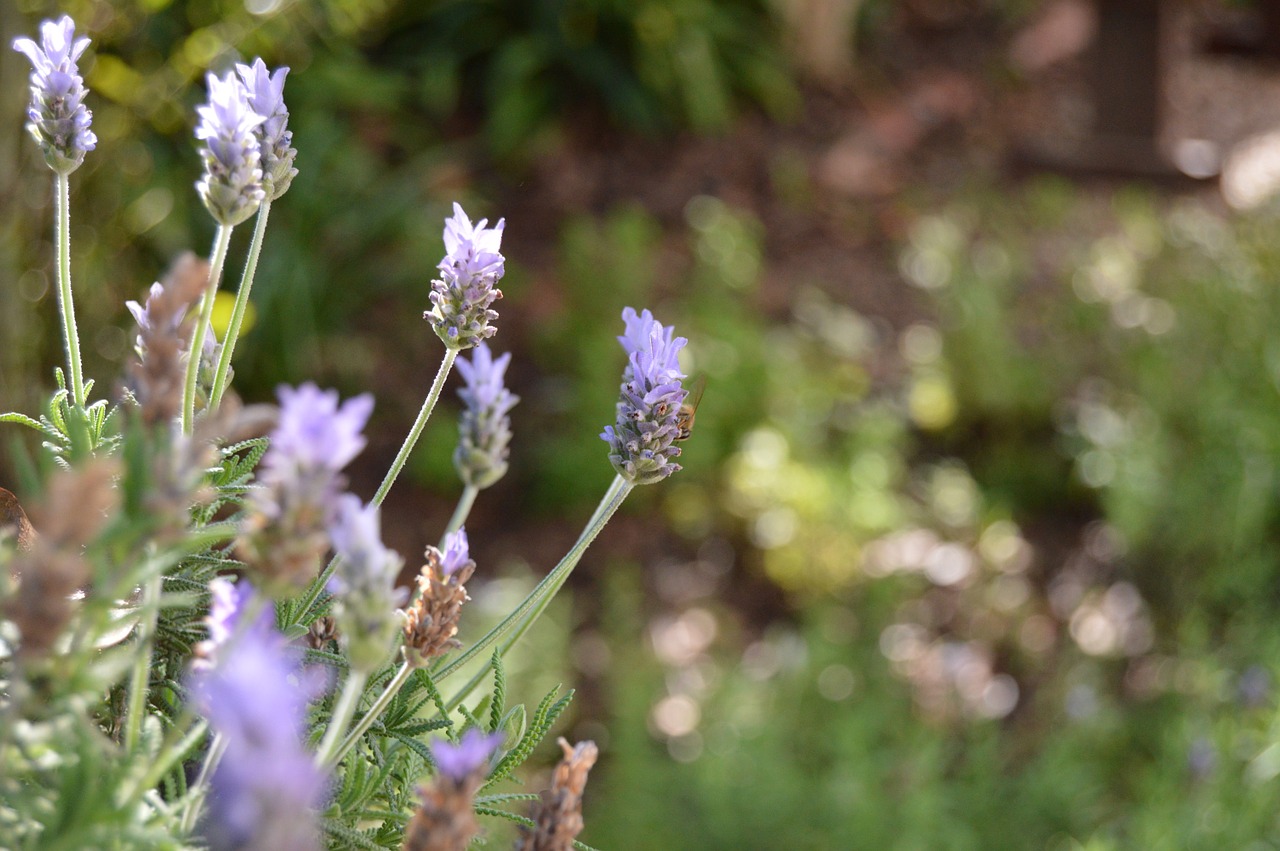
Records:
x=431, y=623
x=266, y=786
x=446, y=819
x=231, y=187
x=363, y=583
x=227, y=602
x=314, y=431
x=467, y=286
x=57, y=117
x=266, y=98
x=288, y=528
x=642, y=440
x=484, y=432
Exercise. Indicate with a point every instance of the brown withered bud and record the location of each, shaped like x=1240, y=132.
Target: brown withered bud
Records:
x=164, y=332
x=284, y=556
x=431, y=622
x=14, y=520
x=558, y=815
x=446, y=820
x=322, y=631
x=179, y=461
x=74, y=510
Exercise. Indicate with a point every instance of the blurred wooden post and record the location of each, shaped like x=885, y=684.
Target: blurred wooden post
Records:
x=1126, y=72
x=1126, y=83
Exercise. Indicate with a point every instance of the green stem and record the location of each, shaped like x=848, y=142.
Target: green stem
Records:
x=70, y=335
x=433, y=395
x=460, y=513
x=242, y=302
x=536, y=602
x=140, y=676
x=175, y=747
x=201, y=787
x=217, y=258
x=366, y=720
x=343, y=711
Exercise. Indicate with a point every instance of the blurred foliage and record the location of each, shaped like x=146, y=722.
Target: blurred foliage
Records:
x=1029, y=540
x=649, y=66
x=385, y=99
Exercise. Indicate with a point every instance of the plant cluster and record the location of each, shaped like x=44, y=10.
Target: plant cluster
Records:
x=202, y=644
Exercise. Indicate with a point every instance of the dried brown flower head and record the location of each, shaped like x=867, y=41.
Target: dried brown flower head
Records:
x=558, y=816
x=74, y=510
x=431, y=622
x=164, y=334
x=322, y=631
x=446, y=821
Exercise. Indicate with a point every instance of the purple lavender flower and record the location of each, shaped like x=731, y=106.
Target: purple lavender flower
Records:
x=458, y=762
x=231, y=187
x=484, y=433
x=266, y=97
x=288, y=529
x=314, y=432
x=457, y=553
x=57, y=117
x=642, y=440
x=363, y=580
x=469, y=275
x=225, y=601
x=267, y=784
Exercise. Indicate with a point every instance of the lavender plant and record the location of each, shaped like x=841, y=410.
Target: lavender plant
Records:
x=179, y=665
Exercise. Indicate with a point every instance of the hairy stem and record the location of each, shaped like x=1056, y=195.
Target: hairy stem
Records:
x=366, y=720
x=433, y=395
x=216, y=260
x=139, y=677
x=201, y=787
x=242, y=302
x=70, y=335
x=343, y=711
x=411, y=439
x=460, y=513
x=536, y=602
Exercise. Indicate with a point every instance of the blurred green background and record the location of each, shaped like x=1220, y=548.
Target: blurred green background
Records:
x=977, y=541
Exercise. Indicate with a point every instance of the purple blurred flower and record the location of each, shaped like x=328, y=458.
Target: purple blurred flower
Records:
x=363, y=583
x=288, y=530
x=228, y=601
x=484, y=433
x=642, y=440
x=457, y=553
x=266, y=97
x=224, y=606
x=458, y=762
x=267, y=784
x=57, y=117
x=469, y=275
x=231, y=187
x=314, y=432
